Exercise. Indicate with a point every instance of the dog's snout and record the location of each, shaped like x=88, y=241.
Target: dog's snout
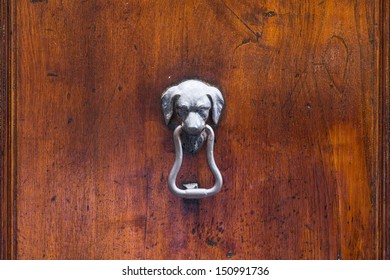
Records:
x=193, y=124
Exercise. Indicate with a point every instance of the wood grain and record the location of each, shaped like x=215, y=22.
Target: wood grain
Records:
x=302, y=144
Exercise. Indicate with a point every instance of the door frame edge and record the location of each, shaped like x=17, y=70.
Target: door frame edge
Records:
x=383, y=193
x=7, y=130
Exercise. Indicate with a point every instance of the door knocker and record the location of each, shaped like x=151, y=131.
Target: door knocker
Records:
x=186, y=107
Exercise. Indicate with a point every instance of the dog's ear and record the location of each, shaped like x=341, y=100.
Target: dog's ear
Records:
x=167, y=101
x=217, y=103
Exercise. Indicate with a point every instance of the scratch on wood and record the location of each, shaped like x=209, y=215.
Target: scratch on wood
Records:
x=257, y=35
x=336, y=60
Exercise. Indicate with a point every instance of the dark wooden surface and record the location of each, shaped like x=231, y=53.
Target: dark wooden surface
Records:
x=302, y=144
x=7, y=131
x=384, y=124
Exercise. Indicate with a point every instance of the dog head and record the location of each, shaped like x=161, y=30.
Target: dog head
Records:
x=193, y=101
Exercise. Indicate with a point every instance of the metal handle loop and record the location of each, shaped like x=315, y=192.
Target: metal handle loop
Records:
x=194, y=193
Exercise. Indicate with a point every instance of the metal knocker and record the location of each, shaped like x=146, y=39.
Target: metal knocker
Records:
x=192, y=101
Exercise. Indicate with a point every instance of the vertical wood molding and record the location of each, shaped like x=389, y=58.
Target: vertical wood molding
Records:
x=384, y=125
x=7, y=133
x=3, y=129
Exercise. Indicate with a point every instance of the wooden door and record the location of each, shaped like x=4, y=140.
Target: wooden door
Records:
x=302, y=143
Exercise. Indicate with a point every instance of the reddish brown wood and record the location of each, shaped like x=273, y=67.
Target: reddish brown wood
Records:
x=302, y=144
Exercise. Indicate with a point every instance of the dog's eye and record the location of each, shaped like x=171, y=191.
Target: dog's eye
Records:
x=182, y=111
x=203, y=111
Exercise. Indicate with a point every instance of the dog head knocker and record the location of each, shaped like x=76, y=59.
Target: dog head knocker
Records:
x=190, y=103
x=187, y=107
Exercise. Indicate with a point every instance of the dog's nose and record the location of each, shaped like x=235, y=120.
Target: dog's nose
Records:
x=192, y=130
x=193, y=124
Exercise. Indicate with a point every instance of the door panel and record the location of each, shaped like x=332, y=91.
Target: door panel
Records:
x=301, y=143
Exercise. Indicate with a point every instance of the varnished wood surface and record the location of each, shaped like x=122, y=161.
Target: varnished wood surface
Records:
x=300, y=144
